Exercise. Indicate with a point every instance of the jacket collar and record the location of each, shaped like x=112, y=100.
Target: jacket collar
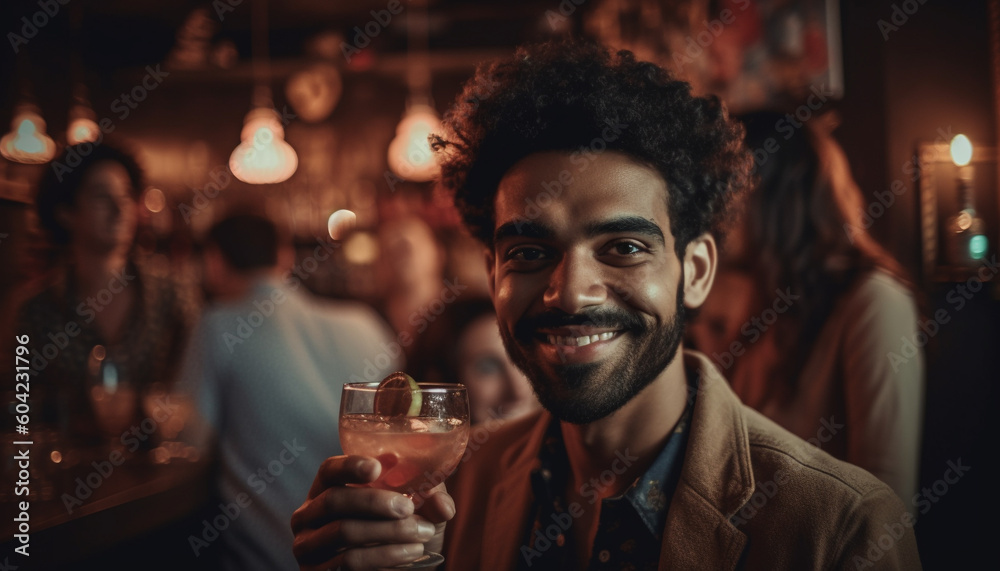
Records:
x=509, y=501
x=716, y=481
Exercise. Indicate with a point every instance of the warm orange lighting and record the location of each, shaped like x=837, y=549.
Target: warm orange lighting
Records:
x=27, y=141
x=154, y=200
x=82, y=130
x=961, y=150
x=341, y=223
x=410, y=154
x=82, y=125
x=361, y=249
x=263, y=157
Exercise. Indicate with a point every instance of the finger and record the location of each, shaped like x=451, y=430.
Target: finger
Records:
x=329, y=540
x=340, y=470
x=357, y=503
x=437, y=506
x=369, y=558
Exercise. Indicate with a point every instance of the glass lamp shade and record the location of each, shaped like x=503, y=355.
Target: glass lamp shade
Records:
x=27, y=141
x=263, y=156
x=81, y=130
x=961, y=150
x=82, y=126
x=410, y=153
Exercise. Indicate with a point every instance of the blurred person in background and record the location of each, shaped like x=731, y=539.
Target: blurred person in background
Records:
x=411, y=261
x=266, y=365
x=463, y=345
x=821, y=309
x=103, y=300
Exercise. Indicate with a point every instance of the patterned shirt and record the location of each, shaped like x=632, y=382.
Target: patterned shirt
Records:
x=630, y=526
x=62, y=334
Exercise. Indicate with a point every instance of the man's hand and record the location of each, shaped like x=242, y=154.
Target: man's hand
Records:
x=364, y=528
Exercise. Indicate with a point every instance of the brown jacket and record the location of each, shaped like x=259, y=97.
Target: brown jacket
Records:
x=751, y=496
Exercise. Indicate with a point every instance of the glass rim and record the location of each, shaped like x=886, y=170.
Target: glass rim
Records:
x=372, y=386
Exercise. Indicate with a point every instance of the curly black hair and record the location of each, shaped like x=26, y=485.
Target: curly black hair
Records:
x=62, y=181
x=560, y=96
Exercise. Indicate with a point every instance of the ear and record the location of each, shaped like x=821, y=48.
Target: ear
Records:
x=491, y=270
x=701, y=259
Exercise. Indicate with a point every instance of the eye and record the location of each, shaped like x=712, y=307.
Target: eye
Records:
x=526, y=254
x=626, y=249
x=625, y=252
x=527, y=257
x=487, y=366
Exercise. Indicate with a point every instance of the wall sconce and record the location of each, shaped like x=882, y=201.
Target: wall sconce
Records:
x=966, y=230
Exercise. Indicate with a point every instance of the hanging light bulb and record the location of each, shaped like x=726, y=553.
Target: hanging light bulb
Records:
x=410, y=153
x=27, y=141
x=82, y=125
x=263, y=157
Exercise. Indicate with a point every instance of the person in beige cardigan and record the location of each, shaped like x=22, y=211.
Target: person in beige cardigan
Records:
x=829, y=345
x=598, y=184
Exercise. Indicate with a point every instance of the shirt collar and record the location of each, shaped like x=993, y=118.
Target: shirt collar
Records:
x=651, y=492
x=649, y=495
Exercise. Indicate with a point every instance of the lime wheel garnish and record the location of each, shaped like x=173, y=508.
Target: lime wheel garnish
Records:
x=398, y=395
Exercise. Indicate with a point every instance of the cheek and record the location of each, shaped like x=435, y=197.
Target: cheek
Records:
x=130, y=212
x=516, y=293
x=650, y=291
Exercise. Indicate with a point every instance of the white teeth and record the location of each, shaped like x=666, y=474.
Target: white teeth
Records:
x=580, y=341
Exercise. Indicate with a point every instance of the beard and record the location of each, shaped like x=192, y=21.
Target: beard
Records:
x=581, y=393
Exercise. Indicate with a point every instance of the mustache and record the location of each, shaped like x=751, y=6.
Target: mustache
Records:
x=605, y=317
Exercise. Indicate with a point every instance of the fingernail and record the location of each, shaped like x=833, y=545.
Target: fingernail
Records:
x=402, y=505
x=425, y=530
x=413, y=550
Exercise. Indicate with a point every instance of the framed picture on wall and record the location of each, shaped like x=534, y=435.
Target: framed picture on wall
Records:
x=783, y=53
x=752, y=53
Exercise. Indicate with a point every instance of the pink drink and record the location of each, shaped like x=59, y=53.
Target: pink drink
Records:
x=426, y=450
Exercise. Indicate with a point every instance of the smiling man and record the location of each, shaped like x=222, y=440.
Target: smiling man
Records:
x=598, y=242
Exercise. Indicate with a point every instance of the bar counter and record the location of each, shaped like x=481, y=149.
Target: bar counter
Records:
x=138, y=516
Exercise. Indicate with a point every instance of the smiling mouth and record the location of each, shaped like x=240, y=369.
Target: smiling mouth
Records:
x=573, y=341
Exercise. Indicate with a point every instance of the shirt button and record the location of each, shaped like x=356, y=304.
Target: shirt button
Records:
x=546, y=474
x=604, y=556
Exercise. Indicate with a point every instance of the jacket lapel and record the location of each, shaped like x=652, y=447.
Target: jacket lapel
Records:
x=507, y=508
x=716, y=480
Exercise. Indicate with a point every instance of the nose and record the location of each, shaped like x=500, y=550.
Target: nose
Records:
x=575, y=283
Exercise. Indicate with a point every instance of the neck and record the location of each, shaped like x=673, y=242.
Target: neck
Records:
x=237, y=285
x=627, y=441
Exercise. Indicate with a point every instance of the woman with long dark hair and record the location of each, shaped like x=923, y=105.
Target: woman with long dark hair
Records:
x=107, y=325
x=828, y=310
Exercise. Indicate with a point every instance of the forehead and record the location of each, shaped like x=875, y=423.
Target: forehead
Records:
x=106, y=174
x=570, y=190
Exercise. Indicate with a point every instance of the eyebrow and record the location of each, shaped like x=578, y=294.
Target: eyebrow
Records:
x=624, y=224
x=627, y=224
x=522, y=228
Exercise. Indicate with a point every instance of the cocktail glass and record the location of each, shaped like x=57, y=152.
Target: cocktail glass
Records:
x=113, y=397
x=418, y=449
